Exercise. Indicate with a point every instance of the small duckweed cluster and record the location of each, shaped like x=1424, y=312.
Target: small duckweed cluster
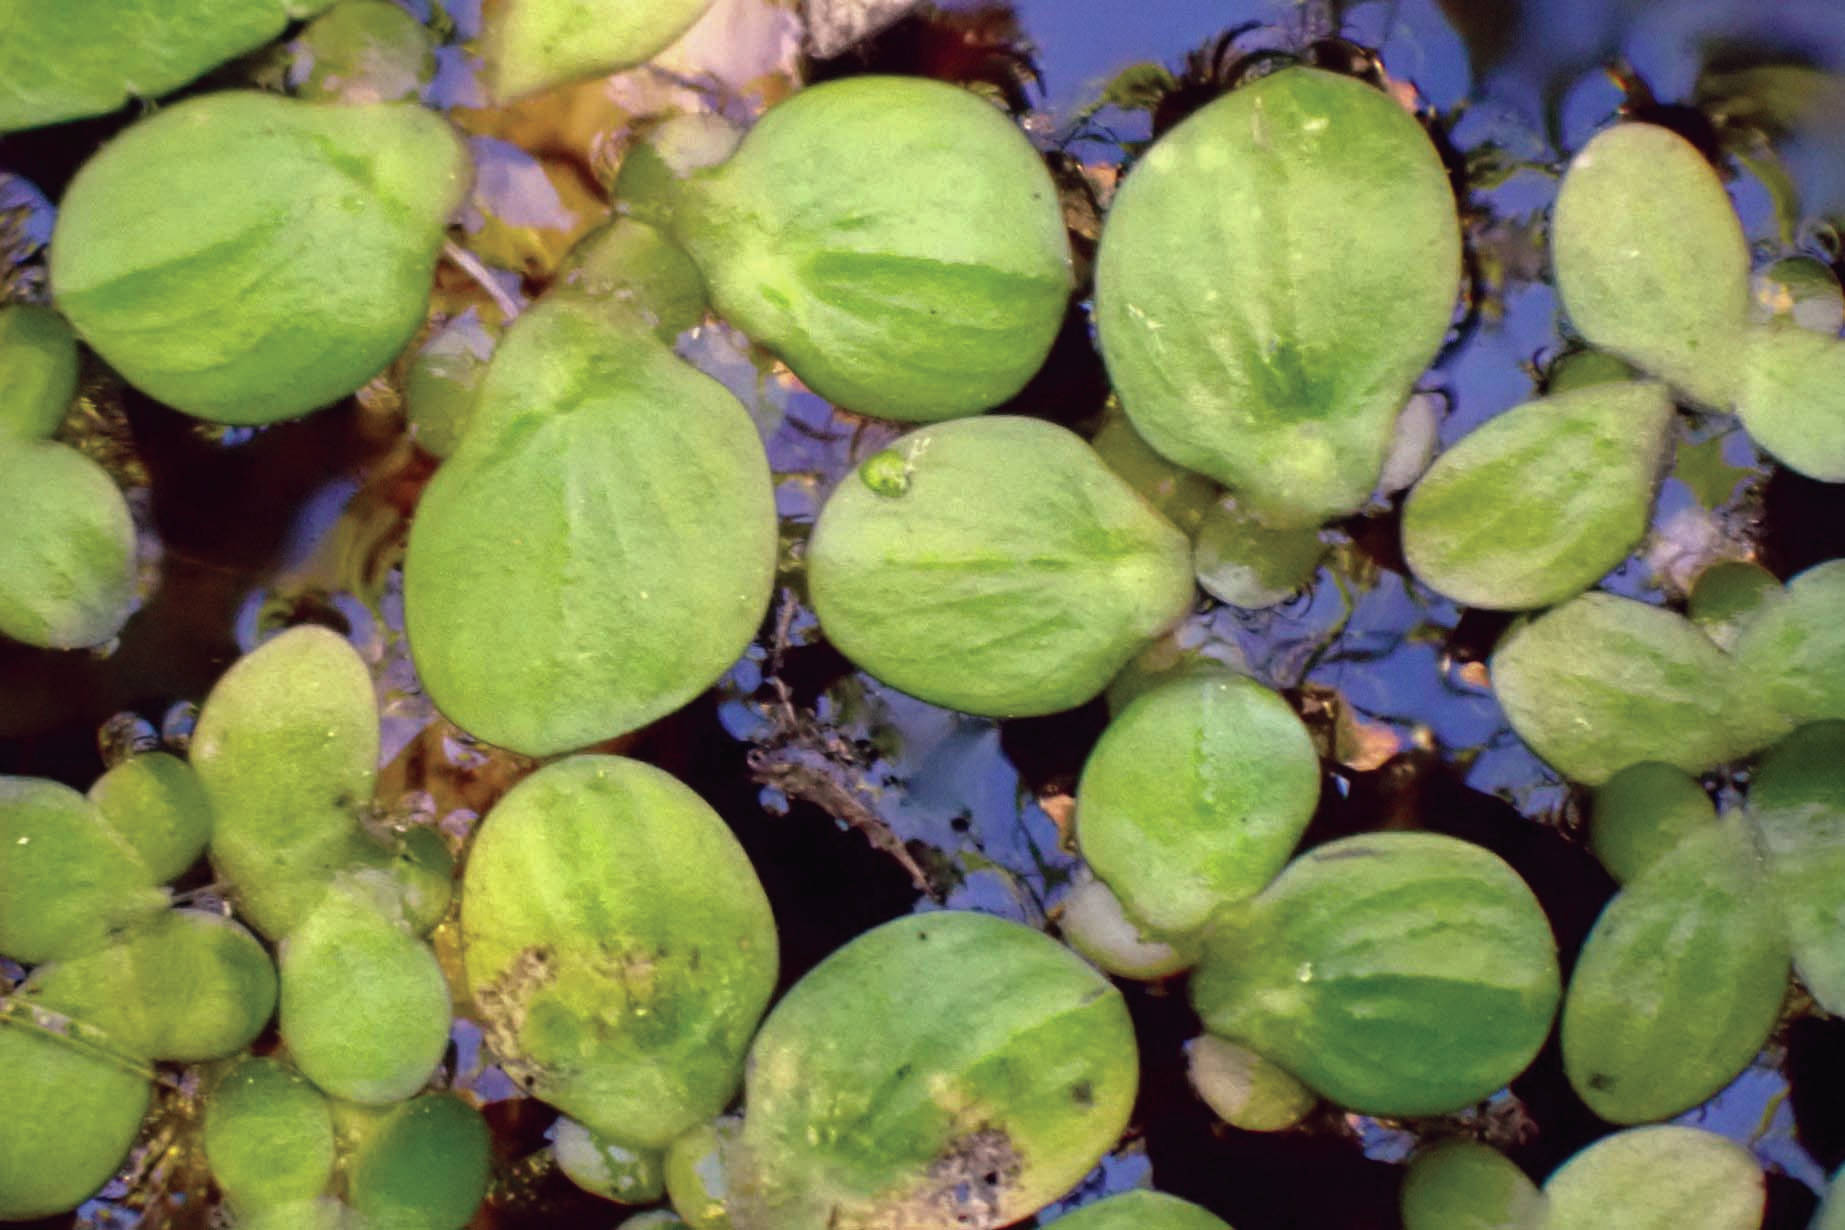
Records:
x=600, y=543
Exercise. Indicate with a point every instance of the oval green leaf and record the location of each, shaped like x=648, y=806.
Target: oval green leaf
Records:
x=1796, y=647
x=994, y=566
x=1602, y=682
x=1792, y=398
x=1394, y=973
x=1678, y=984
x=67, y=560
x=1728, y=596
x=1275, y=274
x=599, y=550
x=424, y=1168
x=1244, y=563
x=1797, y=810
x=286, y=748
x=38, y=353
x=365, y=1008
x=943, y=1070
x=66, y=880
x=897, y=240
x=155, y=803
x=618, y=945
x=1246, y=1090
x=247, y=258
x=1092, y=921
x=532, y=45
x=362, y=51
x=1194, y=798
x=1540, y=502
x=1465, y=1185
x=268, y=1136
x=1142, y=1210
x=1641, y=813
x=1658, y=1178
x=1651, y=261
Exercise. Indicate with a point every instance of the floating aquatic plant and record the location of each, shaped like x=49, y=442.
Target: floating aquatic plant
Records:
x=67, y=560
x=1466, y=1185
x=1143, y=1210
x=535, y=44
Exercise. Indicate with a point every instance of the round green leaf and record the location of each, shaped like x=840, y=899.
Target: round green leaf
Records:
x=1658, y=1178
x=1728, y=596
x=1465, y=1185
x=629, y=267
x=70, y=1118
x=695, y=1177
x=618, y=945
x=1540, y=502
x=1797, y=646
x=425, y=1168
x=66, y=880
x=1578, y=369
x=942, y=1070
x=1797, y=811
x=1792, y=398
x=155, y=803
x=62, y=59
x=187, y=986
x=610, y=1170
x=897, y=240
x=1650, y=260
x=1244, y=563
x=1142, y=1210
x=247, y=258
x=995, y=566
x=1246, y=1090
x=1395, y=973
x=535, y=44
x=286, y=748
x=1678, y=984
x=67, y=560
x=1194, y=798
x=362, y=51
x=1275, y=274
x=365, y=1008
x=1182, y=497
x=1602, y=682
x=602, y=546
x=1641, y=813
x=38, y=353
x=268, y=1136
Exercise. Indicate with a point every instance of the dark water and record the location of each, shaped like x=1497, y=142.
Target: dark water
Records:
x=248, y=532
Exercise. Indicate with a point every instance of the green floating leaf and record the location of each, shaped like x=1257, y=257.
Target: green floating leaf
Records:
x=1142, y=1210
x=1394, y=973
x=995, y=566
x=946, y=1069
x=362, y=51
x=66, y=880
x=444, y=380
x=1465, y=1185
x=1792, y=398
x=62, y=59
x=1728, y=596
x=1797, y=811
x=1801, y=291
x=1182, y=497
x=424, y=1168
x=1194, y=798
x=629, y=267
x=247, y=258
x=1275, y=274
x=1678, y=984
x=1540, y=502
x=695, y=1178
x=268, y=1136
x=286, y=748
x=1641, y=813
x=67, y=560
x=1651, y=262
x=38, y=370
x=71, y=1116
x=187, y=986
x=1092, y=921
x=1578, y=369
x=1602, y=682
x=602, y=546
x=605, y=1168
x=1244, y=563
x=533, y=45
x=897, y=240
x=365, y=1008
x=618, y=945
x=1797, y=646
x=155, y=803
x=1658, y=1178
x=1246, y=1090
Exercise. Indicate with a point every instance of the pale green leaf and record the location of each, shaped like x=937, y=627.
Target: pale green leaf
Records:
x=535, y=44
x=1658, y=1178
x=1243, y=562
x=1142, y=1210
x=67, y=558
x=1465, y=1185
x=1797, y=811
x=38, y=371
x=1791, y=398
x=1796, y=646
x=1641, y=813
x=67, y=881
x=155, y=803
x=268, y=1136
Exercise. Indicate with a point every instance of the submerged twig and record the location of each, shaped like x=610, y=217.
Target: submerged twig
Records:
x=470, y=264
